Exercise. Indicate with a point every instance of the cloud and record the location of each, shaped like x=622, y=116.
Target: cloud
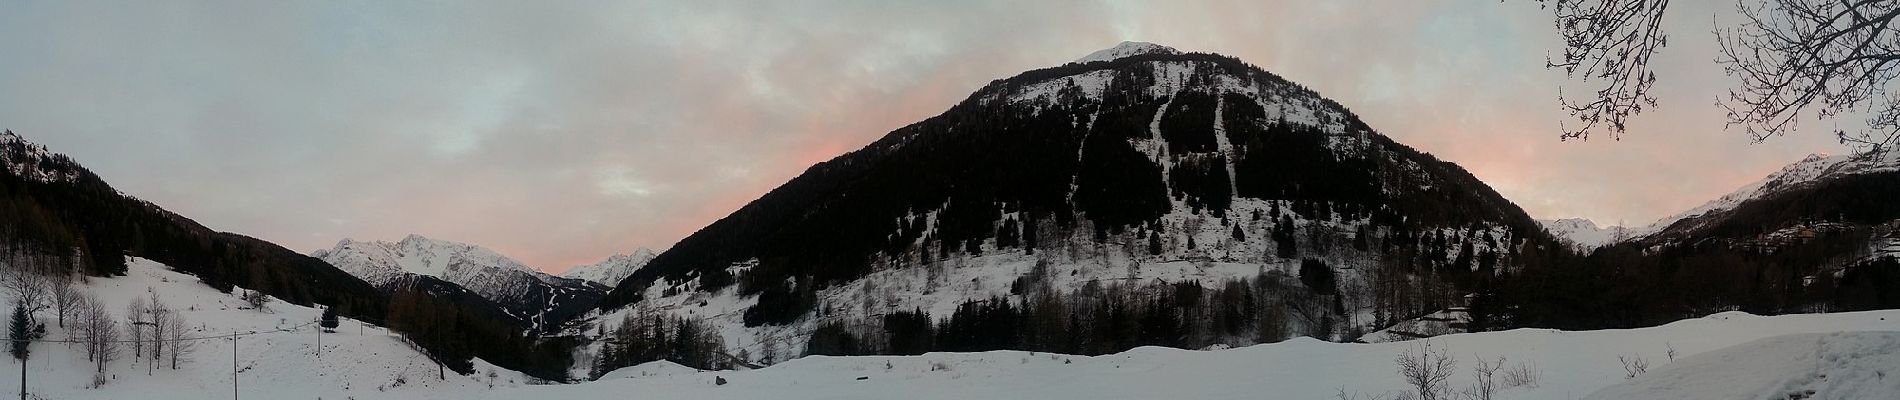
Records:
x=561, y=133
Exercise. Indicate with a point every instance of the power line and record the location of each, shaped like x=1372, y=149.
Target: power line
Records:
x=219, y=336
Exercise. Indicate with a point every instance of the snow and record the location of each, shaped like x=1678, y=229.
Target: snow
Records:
x=612, y=270
x=475, y=268
x=358, y=360
x=415, y=254
x=1125, y=49
x=367, y=365
x=1842, y=365
x=1814, y=168
x=29, y=162
x=1584, y=233
x=1571, y=364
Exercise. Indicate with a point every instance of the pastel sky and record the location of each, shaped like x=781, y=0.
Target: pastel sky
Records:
x=562, y=132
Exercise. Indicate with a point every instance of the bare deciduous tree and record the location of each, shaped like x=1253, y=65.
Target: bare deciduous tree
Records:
x=1484, y=379
x=1828, y=57
x=159, y=318
x=1426, y=370
x=175, y=332
x=101, y=334
x=135, y=314
x=65, y=300
x=28, y=285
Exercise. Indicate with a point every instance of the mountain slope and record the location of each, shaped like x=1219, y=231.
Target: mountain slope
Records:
x=612, y=270
x=1095, y=179
x=1801, y=176
x=1584, y=233
x=48, y=202
x=1821, y=235
x=358, y=360
x=56, y=214
x=526, y=294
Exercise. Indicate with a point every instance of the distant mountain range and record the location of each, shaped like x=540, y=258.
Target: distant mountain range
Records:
x=524, y=292
x=612, y=270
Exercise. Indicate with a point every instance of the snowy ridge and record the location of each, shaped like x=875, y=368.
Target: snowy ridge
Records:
x=1125, y=49
x=612, y=270
x=1584, y=233
x=525, y=293
x=479, y=269
x=1814, y=168
x=33, y=161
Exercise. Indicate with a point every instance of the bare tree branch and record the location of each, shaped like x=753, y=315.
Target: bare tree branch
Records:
x=1607, y=45
x=1825, y=58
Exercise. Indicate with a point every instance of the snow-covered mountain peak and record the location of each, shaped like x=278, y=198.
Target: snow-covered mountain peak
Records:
x=1583, y=232
x=1126, y=49
x=380, y=262
x=33, y=161
x=524, y=292
x=612, y=270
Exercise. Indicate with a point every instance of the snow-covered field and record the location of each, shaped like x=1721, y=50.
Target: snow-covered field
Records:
x=362, y=362
x=1572, y=365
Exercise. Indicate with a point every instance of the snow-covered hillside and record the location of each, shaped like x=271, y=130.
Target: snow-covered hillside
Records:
x=280, y=361
x=1584, y=233
x=612, y=270
x=1840, y=365
x=1682, y=358
x=1814, y=168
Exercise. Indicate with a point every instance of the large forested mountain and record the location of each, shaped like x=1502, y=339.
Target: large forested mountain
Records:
x=1139, y=182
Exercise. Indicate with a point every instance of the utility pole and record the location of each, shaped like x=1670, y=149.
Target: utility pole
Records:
x=234, y=386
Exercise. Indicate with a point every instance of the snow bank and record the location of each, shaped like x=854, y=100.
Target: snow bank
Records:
x=1846, y=365
x=358, y=361
x=1573, y=364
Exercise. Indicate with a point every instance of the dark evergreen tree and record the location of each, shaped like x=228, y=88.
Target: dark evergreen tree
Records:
x=20, y=331
x=329, y=318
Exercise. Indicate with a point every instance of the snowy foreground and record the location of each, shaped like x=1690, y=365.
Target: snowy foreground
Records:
x=358, y=361
x=1861, y=364
x=1725, y=356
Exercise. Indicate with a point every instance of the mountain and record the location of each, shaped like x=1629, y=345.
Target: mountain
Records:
x=53, y=208
x=613, y=269
x=1820, y=235
x=1126, y=49
x=56, y=214
x=1584, y=233
x=1814, y=175
x=525, y=293
x=1136, y=171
